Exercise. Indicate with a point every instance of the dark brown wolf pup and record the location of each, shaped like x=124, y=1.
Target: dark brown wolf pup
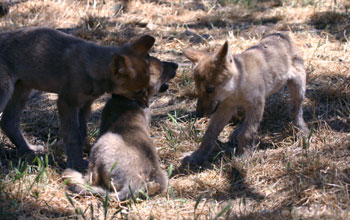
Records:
x=78, y=71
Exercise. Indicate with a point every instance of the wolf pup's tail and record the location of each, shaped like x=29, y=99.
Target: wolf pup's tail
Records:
x=79, y=184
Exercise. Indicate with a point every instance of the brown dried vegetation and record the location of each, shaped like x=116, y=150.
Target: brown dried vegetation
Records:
x=285, y=178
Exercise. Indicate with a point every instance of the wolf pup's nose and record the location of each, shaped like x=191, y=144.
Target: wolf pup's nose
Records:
x=164, y=87
x=174, y=65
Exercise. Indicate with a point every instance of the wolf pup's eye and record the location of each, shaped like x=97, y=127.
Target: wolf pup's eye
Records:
x=209, y=90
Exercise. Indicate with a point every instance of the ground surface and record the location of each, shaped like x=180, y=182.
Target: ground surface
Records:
x=284, y=179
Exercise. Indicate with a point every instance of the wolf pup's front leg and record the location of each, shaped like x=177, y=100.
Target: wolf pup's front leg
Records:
x=84, y=113
x=72, y=136
x=217, y=122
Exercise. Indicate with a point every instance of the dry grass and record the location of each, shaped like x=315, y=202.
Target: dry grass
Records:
x=284, y=179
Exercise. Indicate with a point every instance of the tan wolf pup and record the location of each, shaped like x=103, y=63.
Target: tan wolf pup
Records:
x=124, y=159
x=224, y=81
x=78, y=71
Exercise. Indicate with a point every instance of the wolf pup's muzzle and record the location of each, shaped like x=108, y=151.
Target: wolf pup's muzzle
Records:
x=170, y=67
x=200, y=113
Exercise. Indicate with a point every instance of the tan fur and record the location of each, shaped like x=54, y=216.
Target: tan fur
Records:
x=77, y=70
x=224, y=82
x=124, y=159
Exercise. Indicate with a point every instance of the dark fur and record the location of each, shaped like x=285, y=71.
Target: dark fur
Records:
x=77, y=70
x=124, y=152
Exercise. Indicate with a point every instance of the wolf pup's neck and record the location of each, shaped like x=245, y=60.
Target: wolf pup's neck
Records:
x=121, y=112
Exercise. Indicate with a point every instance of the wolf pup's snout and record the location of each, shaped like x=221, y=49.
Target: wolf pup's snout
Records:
x=169, y=69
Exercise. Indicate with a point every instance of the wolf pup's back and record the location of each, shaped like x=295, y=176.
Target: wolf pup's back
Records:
x=78, y=71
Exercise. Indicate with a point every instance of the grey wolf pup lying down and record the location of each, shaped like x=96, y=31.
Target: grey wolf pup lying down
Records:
x=224, y=82
x=124, y=159
x=78, y=71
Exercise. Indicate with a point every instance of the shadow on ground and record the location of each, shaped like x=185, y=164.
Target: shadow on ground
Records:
x=333, y=22
x=25, y=211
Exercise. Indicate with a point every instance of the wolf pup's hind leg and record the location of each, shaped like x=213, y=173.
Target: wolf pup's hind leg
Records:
x=11, y=118
x=6, y=89
x=296, y=101
x=296, y=87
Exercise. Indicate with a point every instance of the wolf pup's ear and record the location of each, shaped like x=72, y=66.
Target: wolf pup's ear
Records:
x=143, y=44
x=223, y=54
x=193, y=55
x=122, y=66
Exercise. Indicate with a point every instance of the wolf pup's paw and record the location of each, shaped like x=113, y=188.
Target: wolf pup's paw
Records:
x=32, y=149
x=36, y=148
x=196, y=159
